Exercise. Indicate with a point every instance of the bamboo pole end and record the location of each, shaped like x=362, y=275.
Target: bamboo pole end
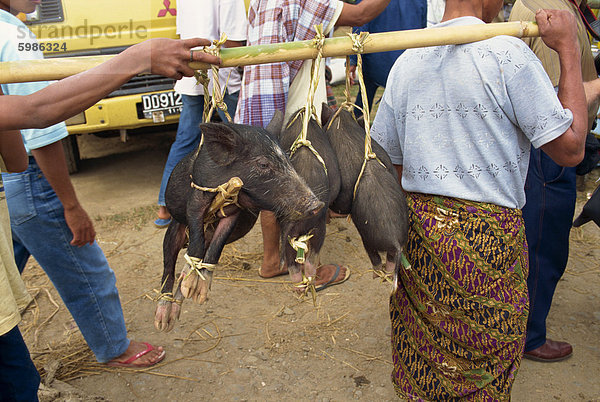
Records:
x=529, y=29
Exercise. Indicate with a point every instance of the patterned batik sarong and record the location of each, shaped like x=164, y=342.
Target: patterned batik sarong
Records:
x=459, y=312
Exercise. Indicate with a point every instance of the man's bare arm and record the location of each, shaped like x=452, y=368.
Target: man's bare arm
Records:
x=51, y=160
x=12, y=149
x=355, y=15
x=558, y=30
x=234, y=43
x=72, y=95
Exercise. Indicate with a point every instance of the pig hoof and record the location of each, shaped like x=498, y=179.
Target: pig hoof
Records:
x=162, y=315
x=195, y=284
x=201, y=293
x=174, y=315
x=189, y=282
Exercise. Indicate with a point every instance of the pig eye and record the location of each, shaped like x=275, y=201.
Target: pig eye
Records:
x=263, y=164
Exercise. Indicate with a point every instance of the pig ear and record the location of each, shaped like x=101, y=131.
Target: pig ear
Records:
x=326, y=113
x=274, y=127
x=220, y=141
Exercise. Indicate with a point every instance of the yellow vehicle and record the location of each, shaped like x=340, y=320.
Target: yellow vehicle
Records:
x=69, y=28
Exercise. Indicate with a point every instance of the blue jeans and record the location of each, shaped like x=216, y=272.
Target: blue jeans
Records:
x=188, y=133
x=548, y=215
x=19, y=379
x=82, y=276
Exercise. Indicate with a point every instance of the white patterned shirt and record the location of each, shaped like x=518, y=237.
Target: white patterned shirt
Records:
x=461, y=118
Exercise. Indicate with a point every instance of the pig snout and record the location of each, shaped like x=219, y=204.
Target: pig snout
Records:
x=303, y=207
x=313, y=207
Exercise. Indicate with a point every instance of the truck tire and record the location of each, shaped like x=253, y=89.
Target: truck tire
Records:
x=71, y=153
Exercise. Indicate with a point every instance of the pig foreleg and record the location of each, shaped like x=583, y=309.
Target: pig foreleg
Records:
x=166, y=311
x=213, y=253
x=197, y=205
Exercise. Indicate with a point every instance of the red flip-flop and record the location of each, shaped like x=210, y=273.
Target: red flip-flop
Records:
x=129, y=362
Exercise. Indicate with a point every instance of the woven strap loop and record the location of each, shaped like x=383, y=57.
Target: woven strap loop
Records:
x=196, y=264
x=227, y=194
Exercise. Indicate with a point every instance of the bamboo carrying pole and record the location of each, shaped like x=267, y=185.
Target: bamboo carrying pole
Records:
x=58, y=68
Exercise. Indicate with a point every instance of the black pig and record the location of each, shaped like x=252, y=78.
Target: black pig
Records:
x=379, y=210
x=347, y=138
x=269, y=183
x=380, y=214
x=325, y=185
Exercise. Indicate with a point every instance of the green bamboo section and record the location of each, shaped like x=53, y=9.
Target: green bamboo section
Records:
x=58, y=68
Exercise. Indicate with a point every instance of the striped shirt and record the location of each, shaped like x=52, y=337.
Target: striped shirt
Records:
x=265, y=87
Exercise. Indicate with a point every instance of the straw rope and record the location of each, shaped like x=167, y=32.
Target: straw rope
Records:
x=358, y=47
x=196, y=264
x=309, y=109
x=227, y=194
x=307, y=285
x=214, y=102
x=300, y=244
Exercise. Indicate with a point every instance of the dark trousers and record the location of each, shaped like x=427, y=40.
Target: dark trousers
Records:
x=19, y=379
x=371, y=88
x=548, y=215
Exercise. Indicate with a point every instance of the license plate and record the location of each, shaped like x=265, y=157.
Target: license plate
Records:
x=157, y=106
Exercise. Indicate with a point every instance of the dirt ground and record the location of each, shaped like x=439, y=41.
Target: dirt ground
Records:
x=254, y=339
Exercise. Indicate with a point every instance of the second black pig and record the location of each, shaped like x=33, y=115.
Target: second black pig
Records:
x=347, y=139
x=323, y=177
x=378, y=207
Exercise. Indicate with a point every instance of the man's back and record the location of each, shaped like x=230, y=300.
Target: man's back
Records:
x=461, y=102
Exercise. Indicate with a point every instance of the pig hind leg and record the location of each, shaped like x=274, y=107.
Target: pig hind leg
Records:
x=197, y=204
x=224, y=228
x=375, y=258
x=167, y=312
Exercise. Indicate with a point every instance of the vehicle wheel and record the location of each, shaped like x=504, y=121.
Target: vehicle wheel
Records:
x=71, y=153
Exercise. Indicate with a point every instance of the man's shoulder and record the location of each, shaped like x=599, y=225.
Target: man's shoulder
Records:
x=507, y=42
x=509, y=49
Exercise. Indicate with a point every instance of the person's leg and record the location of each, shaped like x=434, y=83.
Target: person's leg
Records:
x=270, y=233
x=186, y=139
x=231, y=100
x=19, y=379
x=21, y=254
x=81, y=275
x=548, y=214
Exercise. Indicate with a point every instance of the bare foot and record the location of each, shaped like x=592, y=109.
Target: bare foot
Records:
x=271, y=268
x=331, y=214
x=147, y=355
x=326, y=276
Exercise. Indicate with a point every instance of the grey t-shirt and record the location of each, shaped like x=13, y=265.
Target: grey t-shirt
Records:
x=461, y=118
